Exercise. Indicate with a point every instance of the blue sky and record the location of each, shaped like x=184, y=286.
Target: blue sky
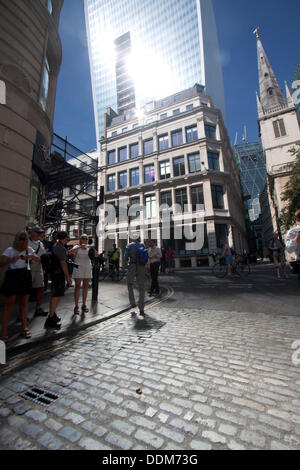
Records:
x=236, y=19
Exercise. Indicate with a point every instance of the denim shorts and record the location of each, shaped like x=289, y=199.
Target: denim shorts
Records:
x=228, y=259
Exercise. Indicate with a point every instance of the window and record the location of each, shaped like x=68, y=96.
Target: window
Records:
x=134, y=177
x=134, y=150
x=191, y=133
x=122, y=152
x=179, y=166
x=150, y=203
x=125, y=129
x=123, y=179
x=164, y=170
x=163, y=142
x=149, y=174
x=197, y=196
x=181, y=197
x=176, y=137
x=148, y=146
x=45, y=85
x=189, y=107
x=134, y=213
x=111, y=182
x=176, y=111
x=221, y=233
x=210, y=131
x=166, y=198
x=111, y=157
x=114, y=133
x=87, y=227
x=163, y=116
x=88, y=205
x=217, y=196
x=194, y=162
x=279, y=128
x=177, y=97
x=213, y=161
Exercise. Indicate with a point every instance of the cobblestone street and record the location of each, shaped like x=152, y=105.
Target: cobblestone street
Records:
x=178, y=379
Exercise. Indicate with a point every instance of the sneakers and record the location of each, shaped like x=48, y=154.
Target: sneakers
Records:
x=53, y=322
x=39, y=312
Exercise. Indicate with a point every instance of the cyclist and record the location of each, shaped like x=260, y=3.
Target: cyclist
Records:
x=115, y=258
x=227, y=255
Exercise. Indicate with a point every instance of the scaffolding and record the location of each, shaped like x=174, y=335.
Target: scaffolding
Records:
x=71, y=188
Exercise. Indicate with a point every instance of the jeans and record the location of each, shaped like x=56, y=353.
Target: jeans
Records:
x=154, y=270
x=139, y=273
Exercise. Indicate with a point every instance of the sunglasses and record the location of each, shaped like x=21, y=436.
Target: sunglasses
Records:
x=84, y=238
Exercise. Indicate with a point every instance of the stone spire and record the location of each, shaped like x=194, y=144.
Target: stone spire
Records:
x=271, y=96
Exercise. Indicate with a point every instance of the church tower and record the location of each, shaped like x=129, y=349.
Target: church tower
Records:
x=278, y=128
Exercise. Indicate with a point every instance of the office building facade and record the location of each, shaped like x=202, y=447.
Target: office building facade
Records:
x=175, y=160
x=157, y=47
x=30, y=58
x=251, y=161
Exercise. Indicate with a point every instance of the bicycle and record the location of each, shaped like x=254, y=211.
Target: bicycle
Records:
x=239, y=266
x=112, y=272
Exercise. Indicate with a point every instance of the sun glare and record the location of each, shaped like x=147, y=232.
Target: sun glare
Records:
x=151, y=75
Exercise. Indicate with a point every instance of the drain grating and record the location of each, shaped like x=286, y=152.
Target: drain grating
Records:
x=40, y=396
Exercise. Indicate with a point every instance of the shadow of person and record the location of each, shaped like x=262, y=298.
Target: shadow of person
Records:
x=146, y=322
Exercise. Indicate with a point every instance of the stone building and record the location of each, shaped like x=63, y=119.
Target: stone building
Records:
x=279, y=131
x=30, y=58
x=173, y=157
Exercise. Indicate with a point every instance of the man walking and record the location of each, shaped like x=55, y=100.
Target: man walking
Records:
x=154, y=257
x=277, y=251
x=292, y=243
x=137, y=271
x=37, y=274
x=59, y=275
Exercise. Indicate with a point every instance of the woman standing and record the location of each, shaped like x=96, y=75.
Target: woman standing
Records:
x=83, y=273
x=17, y=281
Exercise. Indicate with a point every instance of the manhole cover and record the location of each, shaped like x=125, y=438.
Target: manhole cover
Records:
x=40, y=396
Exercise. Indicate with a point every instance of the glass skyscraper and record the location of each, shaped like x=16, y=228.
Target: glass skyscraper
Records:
x=251, y=161
x=169, y=45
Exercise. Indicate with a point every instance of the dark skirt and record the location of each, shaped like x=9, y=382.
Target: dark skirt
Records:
x=16, y=282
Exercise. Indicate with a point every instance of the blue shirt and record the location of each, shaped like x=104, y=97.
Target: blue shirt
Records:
x=131, y=251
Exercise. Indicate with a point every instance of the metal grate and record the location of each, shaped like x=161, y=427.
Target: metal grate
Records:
x=40, y=396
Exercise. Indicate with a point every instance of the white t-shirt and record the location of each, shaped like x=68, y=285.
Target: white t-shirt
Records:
x=39, y=250
x=291, y=246
x=21, y=263
x=82, y=256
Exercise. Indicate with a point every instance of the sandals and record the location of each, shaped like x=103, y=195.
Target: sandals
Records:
x=76, y=310
x=84, y=309
x=26, y=333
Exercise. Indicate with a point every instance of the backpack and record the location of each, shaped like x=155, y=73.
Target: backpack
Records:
x=142, y=255
x=49, y=262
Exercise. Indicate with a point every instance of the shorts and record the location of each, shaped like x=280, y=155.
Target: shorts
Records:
x=279, y=260
x=228, y=259
x=58, y=285
x=37, y=278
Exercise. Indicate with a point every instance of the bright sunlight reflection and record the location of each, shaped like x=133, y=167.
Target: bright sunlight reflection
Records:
x=151, y=75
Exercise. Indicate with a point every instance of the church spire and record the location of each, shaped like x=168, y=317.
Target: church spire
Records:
x=271, y=96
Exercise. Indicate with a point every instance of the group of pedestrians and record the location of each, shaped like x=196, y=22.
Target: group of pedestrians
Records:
x=25, y=271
